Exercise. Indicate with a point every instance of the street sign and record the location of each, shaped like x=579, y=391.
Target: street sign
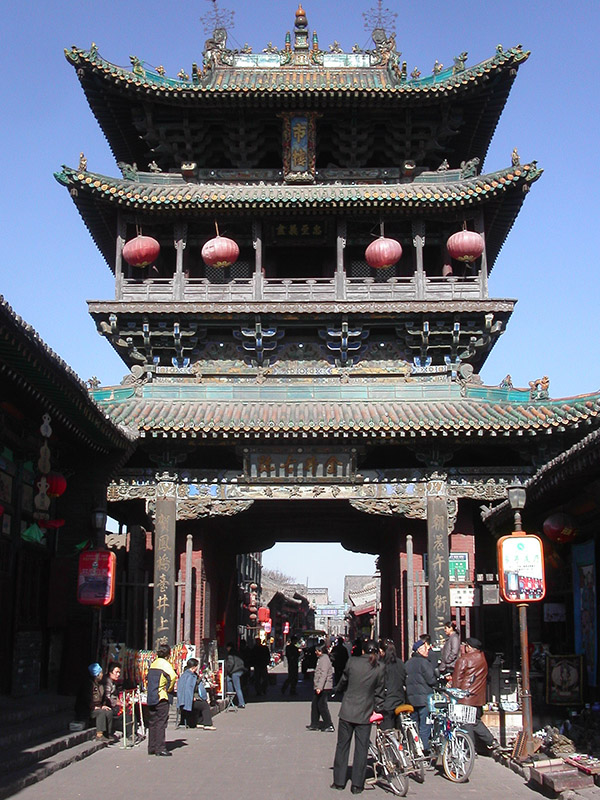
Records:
x=458, y=567
x=521, y=568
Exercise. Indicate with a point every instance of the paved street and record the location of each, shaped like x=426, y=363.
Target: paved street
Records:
x=262, y=752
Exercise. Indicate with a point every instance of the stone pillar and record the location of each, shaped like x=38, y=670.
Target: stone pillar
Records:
x=163, y=604
x=438, y=551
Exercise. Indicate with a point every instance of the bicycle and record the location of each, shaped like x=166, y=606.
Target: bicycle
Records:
x=390, y=764
x=450, y=743
x=410, y=742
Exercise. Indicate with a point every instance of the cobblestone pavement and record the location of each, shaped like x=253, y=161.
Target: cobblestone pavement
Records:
x=262, y=752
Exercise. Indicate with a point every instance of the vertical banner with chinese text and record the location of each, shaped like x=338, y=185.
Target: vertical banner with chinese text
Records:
x=439, y=577
x=584, y=606
x=163, y=622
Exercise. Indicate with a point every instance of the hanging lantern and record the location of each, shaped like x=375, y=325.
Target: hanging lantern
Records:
x=141, y=251
x=465, y=246
x=220, y=252
x=57, y=484
x=383, y=253
x=560, y=528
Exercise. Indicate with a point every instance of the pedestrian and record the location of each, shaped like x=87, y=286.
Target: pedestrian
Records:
x=323, y=684
x=234, y=670
x=362, y=681
x=292, y=655
x=394, y=680
x=261, y=660
x=192, y=698
x=470, y=673
x=161, y=682
x=450, y=649
x=420, y=683
x=339, y=658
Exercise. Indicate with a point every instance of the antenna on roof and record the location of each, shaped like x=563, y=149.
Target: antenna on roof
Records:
x=217, y=18
x=380, y=17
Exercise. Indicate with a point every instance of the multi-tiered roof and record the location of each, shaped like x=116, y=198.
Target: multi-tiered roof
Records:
x=302, y=156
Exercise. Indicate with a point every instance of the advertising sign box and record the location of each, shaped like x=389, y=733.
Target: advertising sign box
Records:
x=96, y=578
x=521, y=568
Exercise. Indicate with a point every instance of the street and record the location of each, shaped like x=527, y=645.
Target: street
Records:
x=262, y=752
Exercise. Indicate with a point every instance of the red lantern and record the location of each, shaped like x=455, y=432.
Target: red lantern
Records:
x=56, y=484
x=465, y=246
x=141, y=251
x=560, y=528
x=220, y=252
x=383, y=253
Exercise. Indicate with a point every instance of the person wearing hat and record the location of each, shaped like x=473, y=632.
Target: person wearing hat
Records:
x=363, y=682
x=420, y=682
x=470, y=673
x=100, y=709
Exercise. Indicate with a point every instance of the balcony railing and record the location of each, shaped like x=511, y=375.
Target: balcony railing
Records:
x=301, y=290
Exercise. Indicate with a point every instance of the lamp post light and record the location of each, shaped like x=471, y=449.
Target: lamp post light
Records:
x=517, y=497
x=99, y=517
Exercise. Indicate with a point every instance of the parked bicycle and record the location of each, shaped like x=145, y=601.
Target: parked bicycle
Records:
x=390, y=764
x=410, y=742
x=450, y=743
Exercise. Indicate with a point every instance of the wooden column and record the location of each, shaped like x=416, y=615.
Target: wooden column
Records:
x=121, y=233
x=418, y=232
x=483, y=274
x=257, y=243
x=163, y=617
x=340, y=273
x=438, y=556
x=180, y=236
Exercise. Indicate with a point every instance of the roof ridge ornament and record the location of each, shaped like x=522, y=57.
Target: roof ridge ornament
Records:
x=217, y=18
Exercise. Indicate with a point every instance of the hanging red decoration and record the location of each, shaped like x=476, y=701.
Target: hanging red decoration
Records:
x=57, y=484
x=560, y=528
x=141, y=251
x=51, y=523
x=220, y=252
x=383, y=253
x=465, y=246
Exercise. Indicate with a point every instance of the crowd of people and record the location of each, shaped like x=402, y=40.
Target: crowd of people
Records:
x=368, y=677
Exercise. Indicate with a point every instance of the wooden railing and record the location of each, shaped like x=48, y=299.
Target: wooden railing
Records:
x=301, y=290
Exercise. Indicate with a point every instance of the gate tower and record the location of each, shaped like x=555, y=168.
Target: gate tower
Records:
x=308, y=382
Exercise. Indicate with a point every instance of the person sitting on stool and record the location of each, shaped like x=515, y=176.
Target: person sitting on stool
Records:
x=192, y=697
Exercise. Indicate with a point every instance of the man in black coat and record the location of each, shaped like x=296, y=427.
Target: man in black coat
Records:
x=420, y=682
x=363, y=682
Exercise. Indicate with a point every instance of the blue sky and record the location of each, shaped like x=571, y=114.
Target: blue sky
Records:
x=50, y=265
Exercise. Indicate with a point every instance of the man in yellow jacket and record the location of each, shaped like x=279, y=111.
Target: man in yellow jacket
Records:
x=161, y=682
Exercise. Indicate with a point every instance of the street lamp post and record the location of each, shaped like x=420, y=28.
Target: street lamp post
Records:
x=99, y=517
x=517, y=497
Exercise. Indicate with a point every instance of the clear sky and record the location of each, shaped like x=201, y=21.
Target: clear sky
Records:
x=50, y=265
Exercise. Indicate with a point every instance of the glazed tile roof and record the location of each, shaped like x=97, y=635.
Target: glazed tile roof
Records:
x=574, y=467
x=99, y=198
x=508, y=413
x=253, y=77
x=27, y=361
x=421, y=196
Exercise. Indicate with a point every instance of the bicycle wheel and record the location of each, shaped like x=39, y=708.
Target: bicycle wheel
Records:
x=397, y=783
x=458, y=757
x=415, y=754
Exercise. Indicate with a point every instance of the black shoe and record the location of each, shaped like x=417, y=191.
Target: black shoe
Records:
x=338, y=786
x=356, y=789
x=164, y=753
x=312, y=728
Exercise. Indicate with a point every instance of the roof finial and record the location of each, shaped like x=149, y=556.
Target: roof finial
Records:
x=380, y=18
x=301, y=30
x=217, y=18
